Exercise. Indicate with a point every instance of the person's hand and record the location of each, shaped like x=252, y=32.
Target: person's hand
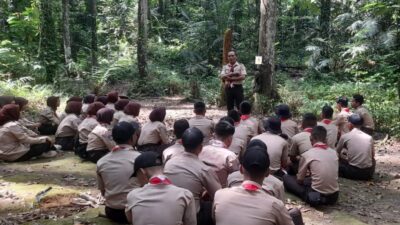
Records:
x=49, y=140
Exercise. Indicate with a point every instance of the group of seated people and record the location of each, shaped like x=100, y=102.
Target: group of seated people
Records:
x=237, y=164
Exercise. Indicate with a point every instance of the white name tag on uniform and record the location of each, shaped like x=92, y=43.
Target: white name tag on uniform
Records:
x=258, y=60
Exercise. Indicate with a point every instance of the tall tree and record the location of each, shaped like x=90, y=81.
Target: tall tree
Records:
x=48, y=44
x=142, y=37
x=267, y=32
x=91, y=7
x=325, y=18
x=66, y=36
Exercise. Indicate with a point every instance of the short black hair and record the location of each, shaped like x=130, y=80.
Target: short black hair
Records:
x=228, y=119
x=123, y=131
x=356, y=119
x=234, y=114
x=224, y=129
x=319, y=133
x=192, y=138
x=343, y=101
x=179, y=127
x=245, y=107
x=327, y=112
x=358, y=98
x=309, y=120
x=199, y=107
x=256, y=162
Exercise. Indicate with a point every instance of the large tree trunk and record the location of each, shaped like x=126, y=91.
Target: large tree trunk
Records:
x=66, y=36
x=325, y=17
x=48, y=44
x=228, y=38
x=142, y=37
x=265, y=77
x=92, y=11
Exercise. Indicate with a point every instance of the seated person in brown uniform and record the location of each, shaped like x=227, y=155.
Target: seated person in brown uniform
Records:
x=179, y=127
x=100, y=141
x=5, y=100
x=131, y=112
x=115, y=169
x=23, y=120
x=242, y=134
x=68, y=128
x=158, y=201
x=119, y=110
x=288, y=126
x=87, y=100
x=301, y=143
x=48, y=118
x=84, y=128
x=16, y=144
x=102, y=99
x=277, y=147
x=187, y=171
x=360, y=161
x=322, y=163
x=249, y=203
x=343, y=113
x=330, y=126
x=248, y=120
x=217, y=155
x=368, y=122
x=206, y=126
x=153, y=136
x=71, y=99
x=112, y=98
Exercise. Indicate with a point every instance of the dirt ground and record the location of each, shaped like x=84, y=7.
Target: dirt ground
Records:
x=373, y=202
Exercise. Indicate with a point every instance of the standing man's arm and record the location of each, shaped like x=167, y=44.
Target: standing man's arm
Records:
x=238, y=76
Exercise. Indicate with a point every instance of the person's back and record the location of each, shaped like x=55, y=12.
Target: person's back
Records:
x=180, y=126
x=205, y=125
x=368, y=122
x=100, y=138
x=249, y=121
x=242, y=134
x=359, y=148
x=329, y=125
x=84, y=129
x=68, y=126
x=288, y=126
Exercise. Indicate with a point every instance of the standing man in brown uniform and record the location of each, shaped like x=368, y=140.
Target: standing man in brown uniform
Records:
x=232, y=75
x=249, y=203
x=360, y=162
x=187, y=171
x=368, y=125
x=158, y=201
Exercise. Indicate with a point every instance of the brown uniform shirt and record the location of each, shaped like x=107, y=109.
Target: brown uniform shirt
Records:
x=128, y=118
x=364, y=113
x=206, y=126
x=237, y=68
x=220, y=159
x=237, y=205
x=277, y=148
x=173, y=150
x=187, y=171
x=253, y=124
x=15, y=142
x=48, y=116
x=359, y=147
x=85, y=128
x=68, y=126
x=100, y=138
x=153, y=133
x=323, y=165
x=110, y=106
x=113, y=176
x=300, y=143
x=289, y=127
x=241, y=137
x=161, y=204
x=332, y=132
x=341, y=120
x=271, y=184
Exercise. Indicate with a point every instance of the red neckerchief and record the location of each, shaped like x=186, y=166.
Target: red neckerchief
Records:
x=179, y=141
x=326, y=121
x=117, y=148
x=308, y=129
x=244, y=117
x=346, y=110
x=159, y=180
x=283, y=119
x=320, y=145
x=250, y=187
x=232, y=67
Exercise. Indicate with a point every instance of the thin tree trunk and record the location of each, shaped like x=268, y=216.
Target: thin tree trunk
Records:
x=92, y=10
x=325, y=17
x=66, y=36
x=161, y=7
x=142, y=37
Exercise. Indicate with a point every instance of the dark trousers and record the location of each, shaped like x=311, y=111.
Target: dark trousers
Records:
x=35, y=150
x=204, y=216
x=80, y=150
x=47, y=129
x=367, y=130
x=354, y=173
x=296, y=216
x=94, y=155
x=293, y=168
x=157, y=148
x=306, y=193
x=116, y=215
x=234, y=96
x=279, y=174
x=67, y=143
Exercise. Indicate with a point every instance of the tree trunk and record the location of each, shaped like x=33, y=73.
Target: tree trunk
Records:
x=325, y=18
x=266, y=74
x=142, y=37
x=48, y=44
x=228, y=38
x=66, y=36
x=161, y=7
x=92, y=10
